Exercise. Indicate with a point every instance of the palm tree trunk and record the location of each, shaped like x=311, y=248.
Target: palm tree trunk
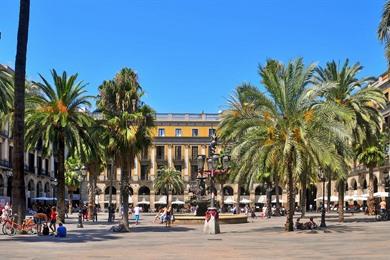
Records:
x=371, y=199
x=91, y=193
x=341, y=201
x=329, y=189
x=70, y=201
x=61, y=179
x=222, y=198
x=290, y=196
x=277, y=211
x=303, y=194
x=18, y=186
x=125, y=191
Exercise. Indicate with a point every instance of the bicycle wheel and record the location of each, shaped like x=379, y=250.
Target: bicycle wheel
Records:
x=9, y=230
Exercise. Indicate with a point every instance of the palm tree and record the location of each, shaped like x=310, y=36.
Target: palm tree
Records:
x=371, y=154
x=6, y=91
x=360, y=104
x=169, y=180
x=128, y=126
x=384, y=28
x=72, y=178
x=286, y=124
x=59, y=110
x=18, y=185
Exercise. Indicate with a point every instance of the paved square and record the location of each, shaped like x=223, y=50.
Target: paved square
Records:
x=261, y=238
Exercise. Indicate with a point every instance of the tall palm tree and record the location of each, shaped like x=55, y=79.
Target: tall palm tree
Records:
x=285, y=124
x=18, y=185
x=169, y=180
x=128, y=126
x=57, y=116
x=371, y=154
x=360, y=104
x=384, y=29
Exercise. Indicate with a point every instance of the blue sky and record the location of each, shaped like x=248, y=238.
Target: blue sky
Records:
x=190, y=55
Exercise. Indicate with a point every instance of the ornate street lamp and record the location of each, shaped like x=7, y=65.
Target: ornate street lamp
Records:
x=321, y=176
x=212, y=216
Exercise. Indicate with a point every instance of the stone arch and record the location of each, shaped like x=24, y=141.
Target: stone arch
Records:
x=364, y=184
x=31, y=187
x=143, y=191
x=260, y=190
x=107, y=190
x=375, y=184
x=353, y=184
x=228, y=190
x=243, y=191
x=47, y=189
x=39, y=189
x=273, y=192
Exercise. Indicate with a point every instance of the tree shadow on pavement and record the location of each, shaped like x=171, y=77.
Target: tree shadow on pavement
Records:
x=162, y=229
x=74, y=236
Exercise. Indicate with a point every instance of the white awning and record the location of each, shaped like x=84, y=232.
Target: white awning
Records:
x=178, y=202
x=280, y=201
x=43, y=198
x=229, y=200
x=381, y=194
x=262, y=199
x=143, y=202
x=245, y=201
x=162, y=200
x=332, y=198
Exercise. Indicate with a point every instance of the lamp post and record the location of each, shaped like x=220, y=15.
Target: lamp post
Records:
x=321, y=176
x=54, y=184
x=83, y=173
x=110, y=209
x=212, y=217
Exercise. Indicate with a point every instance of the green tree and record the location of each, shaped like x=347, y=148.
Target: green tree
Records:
x=18, y=185
x=72, y=178
x=128, y=126
x=169, y=180
x=57, y=116
x=360, y=105
x=371, y=154
x=286, y=124
x=384, y=28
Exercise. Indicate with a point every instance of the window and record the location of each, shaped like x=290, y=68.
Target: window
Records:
x=47, y=166
x=144, y=172
x=10, y=154
x=195, y=132
x=31, y=162
x=211, y=132
x=39, y=160
x=160, y=152
x=178, y=132
x=194, y=172
x=194, y=152
x=178, y=168
x=161, y=132
x=178, y=152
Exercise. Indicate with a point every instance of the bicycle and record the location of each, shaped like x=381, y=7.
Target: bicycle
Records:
x=10, y=227
x=382, y=216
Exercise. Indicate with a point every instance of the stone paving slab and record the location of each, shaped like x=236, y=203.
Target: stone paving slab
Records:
x=262, y=238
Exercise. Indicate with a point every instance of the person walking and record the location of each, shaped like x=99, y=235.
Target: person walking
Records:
x=53, y=219
x=95, y=213
x=137, y=211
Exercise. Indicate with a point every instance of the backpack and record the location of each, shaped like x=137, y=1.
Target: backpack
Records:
x=45, y=230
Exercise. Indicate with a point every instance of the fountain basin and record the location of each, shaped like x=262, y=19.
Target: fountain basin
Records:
x=187, y=219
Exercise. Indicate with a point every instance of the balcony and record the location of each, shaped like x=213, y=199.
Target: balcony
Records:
x=178, y=159
x=162, y=160
x=5, y=164
x=4, y=133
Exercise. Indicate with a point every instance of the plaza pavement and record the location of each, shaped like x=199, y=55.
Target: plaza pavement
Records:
x=359, y=238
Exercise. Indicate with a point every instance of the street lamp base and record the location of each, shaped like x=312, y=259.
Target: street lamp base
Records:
x=211, y=224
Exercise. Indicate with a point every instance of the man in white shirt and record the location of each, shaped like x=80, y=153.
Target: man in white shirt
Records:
x=137, y=211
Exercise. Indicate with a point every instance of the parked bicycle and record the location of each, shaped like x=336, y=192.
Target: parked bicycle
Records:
x=10, y=227
x=382, y=216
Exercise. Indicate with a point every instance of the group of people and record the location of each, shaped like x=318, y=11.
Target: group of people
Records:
x=307, y=225
x=42, y=218
x=165, y=215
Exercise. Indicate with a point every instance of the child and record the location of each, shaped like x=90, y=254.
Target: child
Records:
x=61, y=230
x=45, y=230
x=53, y=219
